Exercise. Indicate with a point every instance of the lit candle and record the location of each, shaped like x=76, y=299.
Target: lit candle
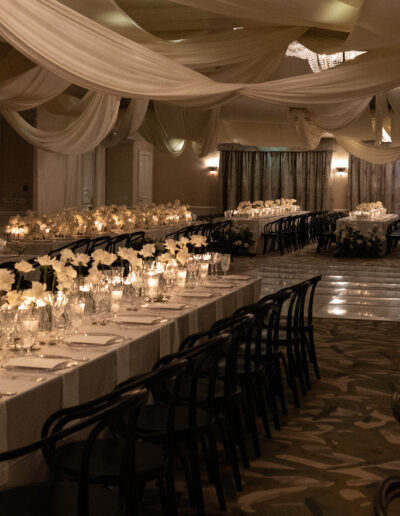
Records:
x=181, y=277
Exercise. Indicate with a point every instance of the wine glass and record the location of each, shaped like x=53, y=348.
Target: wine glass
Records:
x=76, y=313
x=225, y=262
x=8, y=319
x=215, y=259
x=58, y=302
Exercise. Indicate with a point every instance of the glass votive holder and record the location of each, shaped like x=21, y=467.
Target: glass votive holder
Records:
x=29, y=331
x=203, y=270
x=153, y=287
x=180, y=281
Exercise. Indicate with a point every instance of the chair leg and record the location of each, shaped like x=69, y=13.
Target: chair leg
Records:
x=262, y=404
x=196, y=476
x=312, y=353
x=279, y=384
x=216, y=474
x=240, y=433
x=251, y=417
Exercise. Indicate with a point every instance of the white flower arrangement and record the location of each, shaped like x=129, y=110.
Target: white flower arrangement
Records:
x=7, y=279
x=369, y=206
x=103, y=257
x=351, y=242
x=263, y=208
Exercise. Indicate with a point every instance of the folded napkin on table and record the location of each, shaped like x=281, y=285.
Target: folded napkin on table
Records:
x=101, y=340
x=218, y=284
x=196, y=293
x=235, y=277
x=137, y=319
x=168, y=306
x=33, y=362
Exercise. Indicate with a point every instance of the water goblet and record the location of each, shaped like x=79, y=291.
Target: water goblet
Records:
x=214, y=261
x=58, y=302
x=225, y=262
x=8, y=318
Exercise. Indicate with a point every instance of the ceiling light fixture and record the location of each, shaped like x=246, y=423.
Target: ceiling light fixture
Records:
x=320, y=62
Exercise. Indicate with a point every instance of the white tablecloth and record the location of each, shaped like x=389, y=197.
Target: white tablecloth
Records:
x=22, y=415
x=366, y=225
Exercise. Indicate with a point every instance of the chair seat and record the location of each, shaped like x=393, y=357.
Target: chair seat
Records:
x=106, y=458
x=56, y=499
x=153, y=418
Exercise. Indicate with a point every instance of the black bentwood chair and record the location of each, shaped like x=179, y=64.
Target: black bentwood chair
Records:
x=149, y=462
x=79, y=498
x=389, y=489
x=192, y=424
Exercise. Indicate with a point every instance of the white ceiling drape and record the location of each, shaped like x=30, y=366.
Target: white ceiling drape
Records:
x=189, y=78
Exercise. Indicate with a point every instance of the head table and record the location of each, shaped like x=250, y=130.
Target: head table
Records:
x=256, y=227
x=100, y=368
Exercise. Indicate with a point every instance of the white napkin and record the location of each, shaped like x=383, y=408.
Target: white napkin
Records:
x=35, y=362
x=168, y=306
x=100, y=340
x=218, y=284
x=196, y=293
x=235, y=277
x=137, y=319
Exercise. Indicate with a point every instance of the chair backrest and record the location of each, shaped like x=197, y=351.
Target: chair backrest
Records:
x=100, y=242
x=80, y=245
x=136, y=240
x=313, y=285
x=203, y=367
x=117, y=241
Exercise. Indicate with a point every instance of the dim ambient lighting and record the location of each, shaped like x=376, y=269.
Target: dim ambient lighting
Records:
x=212, y=171
x=341, y=171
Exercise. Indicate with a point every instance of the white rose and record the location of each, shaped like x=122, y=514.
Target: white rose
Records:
x=148, y=250
x=198, y=240
x=7, y=278
x=23, y=267
x=104, y=257
x=66, y=254
x=14, y=298
x=171, y=245
x=81, y=259
x=183, y=256
x=44, y=261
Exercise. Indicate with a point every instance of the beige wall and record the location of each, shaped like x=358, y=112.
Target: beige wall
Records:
x=16, y=171
x=185, y=178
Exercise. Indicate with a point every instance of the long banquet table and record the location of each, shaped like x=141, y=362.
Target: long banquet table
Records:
x=22, y=415
x=41, y=247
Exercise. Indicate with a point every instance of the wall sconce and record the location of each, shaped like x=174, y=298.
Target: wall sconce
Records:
x=341, y=171
x=213, y=171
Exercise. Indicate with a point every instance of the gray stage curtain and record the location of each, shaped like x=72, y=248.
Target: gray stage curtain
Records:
x=370, y=183
x=259, y=175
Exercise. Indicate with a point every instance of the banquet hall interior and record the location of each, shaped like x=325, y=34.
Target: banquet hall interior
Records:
x=199, y=260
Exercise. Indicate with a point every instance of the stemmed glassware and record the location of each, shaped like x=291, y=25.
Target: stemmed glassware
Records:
x=215, y=259
x=8, y=318
x=101, y=298
x=58, y=302
x=225, y=263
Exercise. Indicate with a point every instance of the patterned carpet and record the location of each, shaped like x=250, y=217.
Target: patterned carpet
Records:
x=331, y=453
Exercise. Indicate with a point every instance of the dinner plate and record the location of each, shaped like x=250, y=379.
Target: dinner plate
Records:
x=138, y=319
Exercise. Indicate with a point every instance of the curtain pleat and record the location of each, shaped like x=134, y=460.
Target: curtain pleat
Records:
x=369, y=183
x=259, y=175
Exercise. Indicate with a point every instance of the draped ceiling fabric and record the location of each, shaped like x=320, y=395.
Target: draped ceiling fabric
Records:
x=369, y=183
x=255, y=175
x=190, y=76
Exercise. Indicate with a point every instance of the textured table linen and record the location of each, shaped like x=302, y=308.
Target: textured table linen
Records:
x=366, y=225
x=22, y=416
